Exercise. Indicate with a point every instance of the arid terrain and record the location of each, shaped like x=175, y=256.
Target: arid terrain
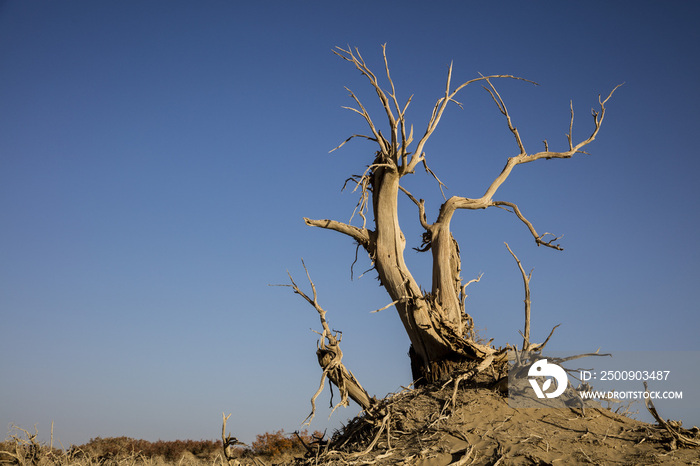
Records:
x=423, y=427
x=429, y=426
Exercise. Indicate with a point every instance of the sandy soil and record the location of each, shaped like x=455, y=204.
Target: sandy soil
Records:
x=423, y=427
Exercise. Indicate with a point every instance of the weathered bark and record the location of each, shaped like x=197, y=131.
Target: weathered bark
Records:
x=394, y=275
x=329, y=358
x=433, y=321
x=440, y=331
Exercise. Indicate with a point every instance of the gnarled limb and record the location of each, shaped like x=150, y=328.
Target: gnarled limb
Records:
x=361, y=235
x=330, y=359
x=421, y=208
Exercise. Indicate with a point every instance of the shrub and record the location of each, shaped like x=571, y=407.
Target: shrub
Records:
x=23, y=448
x=170, y=451
x=277, y=444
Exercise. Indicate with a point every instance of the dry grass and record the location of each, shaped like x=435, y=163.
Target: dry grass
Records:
x=22, y=447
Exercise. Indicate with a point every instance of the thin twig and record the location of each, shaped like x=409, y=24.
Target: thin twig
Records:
x=526, y=282
x=539, y=239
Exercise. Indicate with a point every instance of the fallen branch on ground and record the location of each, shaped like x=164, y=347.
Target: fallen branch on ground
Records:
x=674, y=428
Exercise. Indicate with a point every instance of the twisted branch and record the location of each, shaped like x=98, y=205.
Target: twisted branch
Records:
x=330, y=358
x=361, y=235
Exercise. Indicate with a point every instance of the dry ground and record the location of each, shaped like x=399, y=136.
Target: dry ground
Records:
x=436, y=426
x=423, y=427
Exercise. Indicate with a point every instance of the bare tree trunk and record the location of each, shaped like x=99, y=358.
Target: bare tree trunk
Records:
x=413, y=308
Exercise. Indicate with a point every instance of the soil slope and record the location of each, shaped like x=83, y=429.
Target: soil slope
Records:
x=438, y=427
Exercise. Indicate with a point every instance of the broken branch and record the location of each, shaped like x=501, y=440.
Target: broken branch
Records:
x=361, y=235
x=421, y=207
x=330, y=358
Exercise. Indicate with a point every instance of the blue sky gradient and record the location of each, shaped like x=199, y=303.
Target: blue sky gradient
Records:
x=157, y=158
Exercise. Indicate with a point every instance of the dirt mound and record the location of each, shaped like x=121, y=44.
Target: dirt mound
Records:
x=475, y=426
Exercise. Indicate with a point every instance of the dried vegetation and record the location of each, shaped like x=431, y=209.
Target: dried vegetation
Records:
x=22, y=447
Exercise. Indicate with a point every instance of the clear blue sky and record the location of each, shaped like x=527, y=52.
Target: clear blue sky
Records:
x=157, y=158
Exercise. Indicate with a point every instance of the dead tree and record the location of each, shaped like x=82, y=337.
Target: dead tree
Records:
x=440, y=330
